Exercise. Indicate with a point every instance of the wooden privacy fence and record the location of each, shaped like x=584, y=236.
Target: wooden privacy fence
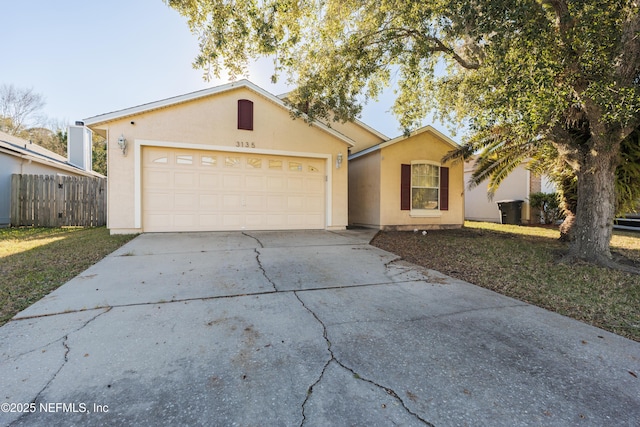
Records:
x=56, y=201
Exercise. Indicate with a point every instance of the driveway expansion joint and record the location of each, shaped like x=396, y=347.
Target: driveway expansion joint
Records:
x=333, y=358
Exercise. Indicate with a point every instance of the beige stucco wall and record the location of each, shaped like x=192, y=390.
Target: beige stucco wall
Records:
x=211, y=123
x=516, y=186
x=364, y=190
x=423, y=146
x=374, y=185
x=362, y=137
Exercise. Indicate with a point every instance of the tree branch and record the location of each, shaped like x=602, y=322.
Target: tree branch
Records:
x=433, y=44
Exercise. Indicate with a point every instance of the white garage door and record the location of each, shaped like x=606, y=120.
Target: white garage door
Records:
x=193, y=190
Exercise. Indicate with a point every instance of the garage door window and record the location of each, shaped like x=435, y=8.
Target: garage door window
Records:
x=275, y=164
x=295, y=166
x=232, y=162
x=184, y=160
x=254, y=163
x=208, y=161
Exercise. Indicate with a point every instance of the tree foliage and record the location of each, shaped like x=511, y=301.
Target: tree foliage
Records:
x=20, y=115
x=526, y=74
x=19, y=108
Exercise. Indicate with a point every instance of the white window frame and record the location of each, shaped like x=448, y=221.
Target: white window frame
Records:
x=424, y=212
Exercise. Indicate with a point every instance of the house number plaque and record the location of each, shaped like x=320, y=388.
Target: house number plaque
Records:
x=245, y=144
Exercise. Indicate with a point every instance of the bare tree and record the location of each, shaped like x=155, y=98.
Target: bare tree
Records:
x=18, y=107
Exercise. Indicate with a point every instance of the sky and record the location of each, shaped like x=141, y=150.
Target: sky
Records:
x=89, y=57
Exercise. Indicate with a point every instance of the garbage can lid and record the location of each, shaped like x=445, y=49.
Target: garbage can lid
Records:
x=510, y=201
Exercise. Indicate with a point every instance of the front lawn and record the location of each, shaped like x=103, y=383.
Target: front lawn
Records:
x=521, y=262
x=35, y=261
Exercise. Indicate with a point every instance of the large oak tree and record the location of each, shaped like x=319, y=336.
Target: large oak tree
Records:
x=558, y=72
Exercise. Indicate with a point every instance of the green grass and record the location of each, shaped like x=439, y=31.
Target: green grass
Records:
x=35, y=261
x=522, y=262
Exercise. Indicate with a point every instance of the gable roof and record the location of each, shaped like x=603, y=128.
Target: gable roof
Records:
x=21, y=148
x=188, y=97
x=400, y=138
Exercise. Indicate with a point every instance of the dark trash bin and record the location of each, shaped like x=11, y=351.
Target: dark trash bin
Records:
x=511, y=211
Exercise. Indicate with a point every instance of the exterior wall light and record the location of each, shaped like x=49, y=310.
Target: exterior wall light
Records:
x=339, y=161
x=122, y=143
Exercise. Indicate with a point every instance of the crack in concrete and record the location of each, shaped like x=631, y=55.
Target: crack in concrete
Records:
x=333, y=358
x=67, y=349
x=254, y=238
x=39, y=348
x=264, y=272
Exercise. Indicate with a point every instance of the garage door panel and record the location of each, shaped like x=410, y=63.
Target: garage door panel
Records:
x=158, y=220
x=185, y=202
x=254, y=220
x=314, y=185
x=192, y=190
x=254, y=202
x=208, y=180
x=315, y=203
x=231, y=202
x=276, y=203
x=295, y=184
x=276, y=220
x=232, y=182
x=157, y=177
x=254, y=182
x=295, y=203
x=208, y=202
x=275, y=183
x=233, y=221
x=185, y=221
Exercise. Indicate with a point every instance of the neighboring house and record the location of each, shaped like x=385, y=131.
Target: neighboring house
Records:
x=402, y=184
x=19, y=156
x=224, y=158
x=518, y=185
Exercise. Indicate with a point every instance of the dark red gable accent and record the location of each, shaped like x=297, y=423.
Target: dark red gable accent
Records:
x=245, y=114
x=444, y=189
x=405, y=188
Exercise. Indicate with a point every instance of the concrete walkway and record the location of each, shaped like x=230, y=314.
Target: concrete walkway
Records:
x=301, y=328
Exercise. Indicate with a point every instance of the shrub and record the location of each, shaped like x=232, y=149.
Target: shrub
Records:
x=548, y=203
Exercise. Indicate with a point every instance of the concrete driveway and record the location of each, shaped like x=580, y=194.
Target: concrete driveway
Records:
x=301, y=328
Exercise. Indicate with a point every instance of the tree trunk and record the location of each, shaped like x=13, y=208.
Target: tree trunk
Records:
x=566, y=228
x=596, y=203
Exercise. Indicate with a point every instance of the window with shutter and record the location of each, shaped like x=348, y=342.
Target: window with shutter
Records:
x=444, y=188
x=424, y=188
x=405, y=188
x=245, y=114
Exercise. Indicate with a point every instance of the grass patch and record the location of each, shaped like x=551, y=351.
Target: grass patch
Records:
x=521, y=262
x=35, y=261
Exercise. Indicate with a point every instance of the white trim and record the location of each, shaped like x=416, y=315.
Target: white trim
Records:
x=137, y=168
x=418, y=213
x=424, y=213
x=132, y=111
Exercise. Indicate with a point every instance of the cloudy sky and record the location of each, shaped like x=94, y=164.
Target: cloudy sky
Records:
x=88, y=57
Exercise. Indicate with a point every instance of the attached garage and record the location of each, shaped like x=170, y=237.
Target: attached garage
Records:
x=225, y=158
x=197, y=190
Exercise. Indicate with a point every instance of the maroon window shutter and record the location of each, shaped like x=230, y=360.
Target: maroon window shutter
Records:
x=444, y=189
x=405, y=188
x=245, y=114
